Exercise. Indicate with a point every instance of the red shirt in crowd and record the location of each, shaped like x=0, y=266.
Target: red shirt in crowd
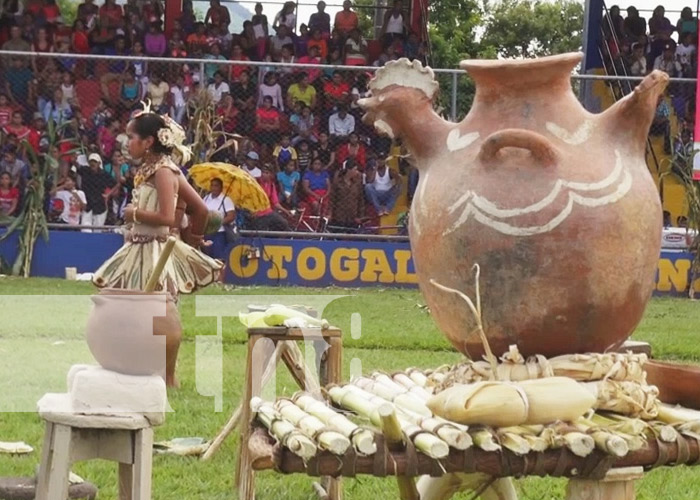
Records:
x=312, y=72
x=357, y=152
x=322, y=47
x=7, y=198
x=237, y=69
x=51, y=13
x=268, y=115
x=21, y=132
x=271, y=191
x=81, y=44
x=113, y=14
x=336, y=92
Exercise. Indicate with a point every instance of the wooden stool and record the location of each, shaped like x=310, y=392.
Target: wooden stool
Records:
x=258, y=367
x=24, y=488
x=71, y=437
x=618, y=484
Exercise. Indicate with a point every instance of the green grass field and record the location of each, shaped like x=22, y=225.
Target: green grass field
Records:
x=41, y=335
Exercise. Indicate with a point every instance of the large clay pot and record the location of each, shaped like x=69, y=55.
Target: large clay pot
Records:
x=127, y=330
x=555, y=204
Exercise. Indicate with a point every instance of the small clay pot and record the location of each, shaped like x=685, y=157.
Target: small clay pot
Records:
x=677, y=383
x=127, y=330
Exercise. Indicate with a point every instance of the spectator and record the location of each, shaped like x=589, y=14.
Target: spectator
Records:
x=154, y=41
x=107, y=138
x=15, y=166
x=638, y=61
x=236, y=69
x=129, y=92
x=110, y=14
x=270, y=219
x=261, y=30
x=140, y=67
x=97, y=185
x=52, y=13
x=16, y=42
x=73, y=201
x=288, y=179
x=117, y=65
x=217, y=15
x=336, y=92
x=198, y=41
x=117, y=167
x=278, y=41
x=217, y=201
x=247, y=41
x=286, y=72
x=177, y=46
x=17, y=128
x=325, y=152
x=352, y=149
x=414, y=48
x=661, y=124
x=319, y=43
x=284, y=152
x=56, y=110
x=304, y=156
x=9, y=195
x=320, y=21
x=271, y=89
x=347, y=201
x=683, y=155
x=613, y=24
x=667, y=62
x=356, y=49
x=228, y=112
x=316, y=186
x=157, y=91
x=658, y=22
x=250, y=164
x=389, y=54
x=179, y=93
x=634, y=26
x=340, y=125
x=17, y=83
x=395, y=24
x=303, y=124
x=41, y=44
x=214, y=55
x=218, y=88
x=5, y=111
x=312, y=57
x=346, y=20
x=301, y=42
x=685, y=54
x=244, y=93
x=687, y=22
x=302, y=92
x=286, y=17
x=79, y=38
x=68, y=88
x=87, y=13
x=381, y=187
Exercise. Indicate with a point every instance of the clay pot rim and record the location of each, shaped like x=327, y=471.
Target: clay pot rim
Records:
x=572, y=58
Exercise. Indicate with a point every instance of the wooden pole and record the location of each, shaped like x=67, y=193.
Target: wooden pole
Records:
x=152, y=282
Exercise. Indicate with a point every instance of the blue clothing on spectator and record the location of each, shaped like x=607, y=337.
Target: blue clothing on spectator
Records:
x=19, y=79
x=116, y=65
x=288, y=180
x=317, y=180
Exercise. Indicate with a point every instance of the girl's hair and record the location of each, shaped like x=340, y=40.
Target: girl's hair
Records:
x=148, y=125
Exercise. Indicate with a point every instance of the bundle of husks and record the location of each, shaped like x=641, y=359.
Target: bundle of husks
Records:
x=617, y=380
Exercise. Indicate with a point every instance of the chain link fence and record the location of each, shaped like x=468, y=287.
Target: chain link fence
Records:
x=72, y=110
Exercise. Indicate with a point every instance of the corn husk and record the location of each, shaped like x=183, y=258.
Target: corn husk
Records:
x=501, y=404
x=625, y=397
x=362, y=439
x=283, y=430
x=513, y=367
x=313, y=427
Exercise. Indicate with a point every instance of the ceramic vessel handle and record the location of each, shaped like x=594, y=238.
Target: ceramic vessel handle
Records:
x=542, y=149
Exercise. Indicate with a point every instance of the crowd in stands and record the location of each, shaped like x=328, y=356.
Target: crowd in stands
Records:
x=635, y=47
x=301, y=128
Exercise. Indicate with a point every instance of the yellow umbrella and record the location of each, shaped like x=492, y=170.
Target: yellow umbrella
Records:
x=238, y=184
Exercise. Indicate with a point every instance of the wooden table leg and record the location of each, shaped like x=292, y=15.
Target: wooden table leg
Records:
x=256, y=361
x=332, y=373
x=618, y=484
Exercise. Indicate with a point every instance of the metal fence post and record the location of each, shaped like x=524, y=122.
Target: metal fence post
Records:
x=453, y=111
x=201, y=76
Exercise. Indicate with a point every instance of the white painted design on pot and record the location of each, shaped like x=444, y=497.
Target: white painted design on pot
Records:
x=579, y=136
x=486, y=212
x=419, y=207
x=384, y=128
x=457, y=141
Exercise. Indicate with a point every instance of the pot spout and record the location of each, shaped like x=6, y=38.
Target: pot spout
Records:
x=635, y=112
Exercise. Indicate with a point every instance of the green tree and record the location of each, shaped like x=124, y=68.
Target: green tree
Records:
x=69, y=11
x=523, y=28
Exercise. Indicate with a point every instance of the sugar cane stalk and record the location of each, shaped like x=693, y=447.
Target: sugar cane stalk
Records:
x=283, y=430
x=313, y=427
